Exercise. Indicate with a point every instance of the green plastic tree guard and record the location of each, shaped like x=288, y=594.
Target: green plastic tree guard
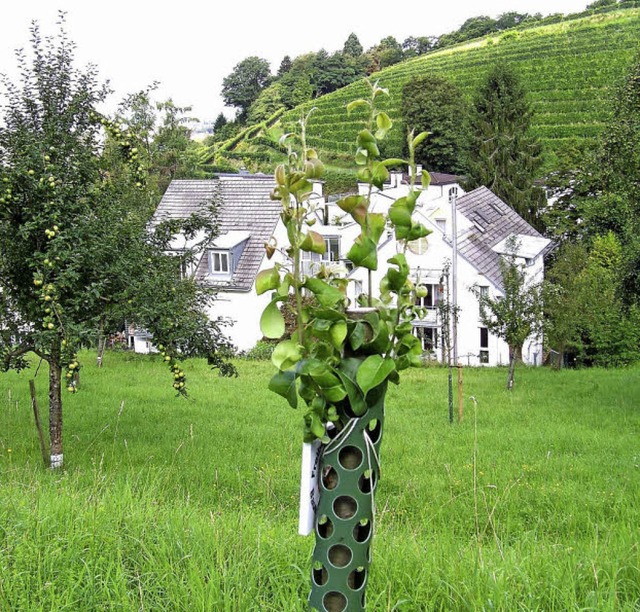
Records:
x=349, y=472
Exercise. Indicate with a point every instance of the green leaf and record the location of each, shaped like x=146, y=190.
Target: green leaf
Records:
x=284, y=384
x=286, y=354
x=359, y=214
x=357, y=335
x=417, y=231
x=347, y=371
x=272, y=321
x=374, y=370
x=329, y=314
x=380, y=174
x=356, y=104
x=313, y=169
x=314, y=425
x=366, y=140
x=394, y=161
x=419, y=138
x=364, y=253
x=400, y=260
x=349, y=203
x=399, y=212
x=324, y=376
x=402, y=232
x=327, y=295
x=300, y=187
x=395, y=279
x=426, y=179
x=377, y=224
x=313, y=243
x=266, y=280
x=362, y=157
x=384, y=124
x=338, y=333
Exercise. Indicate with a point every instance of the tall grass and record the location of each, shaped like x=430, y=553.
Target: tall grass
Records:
x=531, y=503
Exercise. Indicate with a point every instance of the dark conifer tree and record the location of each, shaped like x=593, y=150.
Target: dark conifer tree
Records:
x=503, y=155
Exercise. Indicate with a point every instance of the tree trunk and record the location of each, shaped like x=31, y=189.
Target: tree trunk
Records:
x=102, y=342
x=512, y=366
x=55, y=408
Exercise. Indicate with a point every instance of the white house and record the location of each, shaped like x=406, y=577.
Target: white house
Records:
x=249, y=219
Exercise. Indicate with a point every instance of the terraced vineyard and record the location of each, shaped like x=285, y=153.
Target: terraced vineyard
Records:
x=569, y=68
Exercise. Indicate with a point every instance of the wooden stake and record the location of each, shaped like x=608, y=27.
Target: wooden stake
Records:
x=36, y=415
x=460, y=406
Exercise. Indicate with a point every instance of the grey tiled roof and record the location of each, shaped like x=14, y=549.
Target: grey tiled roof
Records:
x=244, y=204
x=443, y=178
x=498, y=220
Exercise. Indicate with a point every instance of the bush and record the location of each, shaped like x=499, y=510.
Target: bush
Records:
x=260, y=352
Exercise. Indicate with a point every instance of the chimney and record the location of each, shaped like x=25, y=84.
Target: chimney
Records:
x=396, y=178
x=318, y=190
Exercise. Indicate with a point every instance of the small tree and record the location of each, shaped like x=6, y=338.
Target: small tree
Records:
x=75, y=252
x=338, y=362
x=516, y=315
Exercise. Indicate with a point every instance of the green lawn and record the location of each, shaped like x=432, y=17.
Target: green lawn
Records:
x=532, y=503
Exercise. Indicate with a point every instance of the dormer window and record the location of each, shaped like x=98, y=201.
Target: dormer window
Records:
x=225, y=253
x=219, y=263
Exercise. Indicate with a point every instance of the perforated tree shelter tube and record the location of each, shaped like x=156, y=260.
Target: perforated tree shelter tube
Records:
x=349, y=473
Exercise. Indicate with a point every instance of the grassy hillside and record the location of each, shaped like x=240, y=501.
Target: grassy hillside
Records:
x=531, y=503
x=570, y=69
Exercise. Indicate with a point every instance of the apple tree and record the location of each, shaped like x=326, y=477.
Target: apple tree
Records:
x=74, y=244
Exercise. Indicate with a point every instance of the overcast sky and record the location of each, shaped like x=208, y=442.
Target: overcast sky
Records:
x=189, y=46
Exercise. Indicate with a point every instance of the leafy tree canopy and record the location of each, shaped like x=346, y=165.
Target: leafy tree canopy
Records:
x=243, y=85
x=352, y=46
x=434, y=104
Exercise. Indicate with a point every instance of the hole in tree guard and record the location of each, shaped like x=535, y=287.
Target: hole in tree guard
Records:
x=345, y=507
x=373, y=430
x=340, y=555
x=334, y=602
x=325, y=527
x=367, y=481
x=320, y=576
x=350, y=457
x=356, y=578
x=329, y=478
x=362, y=532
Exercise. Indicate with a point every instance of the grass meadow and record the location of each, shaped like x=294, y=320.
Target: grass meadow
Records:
x=531, y=503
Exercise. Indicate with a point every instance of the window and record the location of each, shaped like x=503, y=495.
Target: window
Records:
x=484, y=345
x=219, y=263
x=311, y=261
x=428, y=337
x=331, y=248
x=433, y=298
x=441, y=224
x=483, y=292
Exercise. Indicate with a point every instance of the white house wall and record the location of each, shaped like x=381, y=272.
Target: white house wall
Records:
x=243, y=309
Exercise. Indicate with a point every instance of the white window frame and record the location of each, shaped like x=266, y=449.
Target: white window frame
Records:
x=221, y=255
